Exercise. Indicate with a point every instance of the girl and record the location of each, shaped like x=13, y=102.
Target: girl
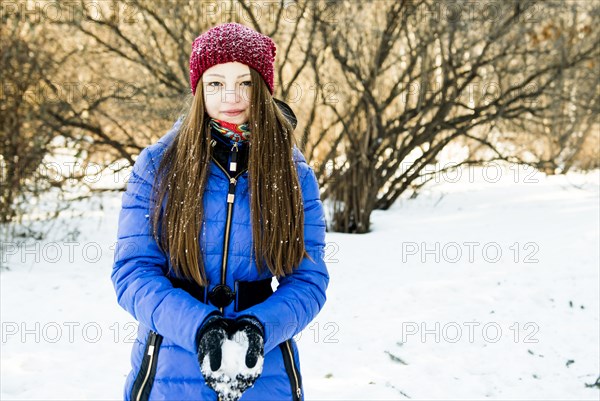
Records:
x=239, y=205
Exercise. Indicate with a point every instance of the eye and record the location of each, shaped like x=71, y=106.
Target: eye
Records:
x=247, y=83
x=216, y=83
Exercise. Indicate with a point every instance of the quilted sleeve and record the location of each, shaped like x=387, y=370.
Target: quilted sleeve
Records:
x=300, y=295
x=138, y=277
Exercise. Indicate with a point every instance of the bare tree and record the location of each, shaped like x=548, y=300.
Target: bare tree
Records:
x=408, y=73
x=24, y=140
x=554, y=141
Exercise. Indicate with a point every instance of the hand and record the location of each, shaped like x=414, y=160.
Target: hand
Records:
x=210, y=338
x=254, y=332
x=231, y=354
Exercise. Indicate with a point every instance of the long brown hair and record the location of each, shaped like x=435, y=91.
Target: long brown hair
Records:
x=276, y=207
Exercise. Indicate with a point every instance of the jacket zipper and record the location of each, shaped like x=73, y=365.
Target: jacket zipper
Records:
x=230, y=200
x=288, y=358
x=151, y=351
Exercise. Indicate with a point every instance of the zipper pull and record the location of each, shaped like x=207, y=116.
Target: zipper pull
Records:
x=234, y=153
x=152, y=343
x=213, y=143
x=231, y=193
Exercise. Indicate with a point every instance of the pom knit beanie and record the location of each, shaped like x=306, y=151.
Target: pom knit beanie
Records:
x=232, y=42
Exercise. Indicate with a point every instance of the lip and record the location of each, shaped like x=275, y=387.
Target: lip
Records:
x=233, y=112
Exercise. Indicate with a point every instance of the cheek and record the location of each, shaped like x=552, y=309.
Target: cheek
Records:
x=211, y=102
x=210, y=97
x=243, y=95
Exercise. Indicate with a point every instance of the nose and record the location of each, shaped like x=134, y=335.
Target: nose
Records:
x=230, y=95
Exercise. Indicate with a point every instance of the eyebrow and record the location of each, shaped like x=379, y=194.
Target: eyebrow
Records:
x=222, y=76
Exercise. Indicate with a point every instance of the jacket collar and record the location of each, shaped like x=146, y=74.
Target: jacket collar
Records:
x=223, y=149
x=287, y=112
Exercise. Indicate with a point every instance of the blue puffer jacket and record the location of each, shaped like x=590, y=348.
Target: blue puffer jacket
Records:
x=163, y=359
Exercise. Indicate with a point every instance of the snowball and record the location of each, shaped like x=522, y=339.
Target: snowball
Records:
x=233, y=377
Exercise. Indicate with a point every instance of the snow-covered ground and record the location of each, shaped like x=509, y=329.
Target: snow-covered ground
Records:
x=475, y=289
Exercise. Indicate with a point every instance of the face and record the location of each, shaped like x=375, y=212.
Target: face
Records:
x=227, y=89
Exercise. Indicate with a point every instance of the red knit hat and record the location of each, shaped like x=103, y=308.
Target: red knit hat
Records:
x=232, y=42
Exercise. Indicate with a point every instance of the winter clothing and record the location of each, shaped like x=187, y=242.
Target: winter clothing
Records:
x=212, y=333
x=232, y=42
x=210, y=339
x=235, y=132
x=231, y=370
x=255, y=334
x=171, y=312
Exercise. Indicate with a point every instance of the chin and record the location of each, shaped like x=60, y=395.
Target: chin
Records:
x=235, y=120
